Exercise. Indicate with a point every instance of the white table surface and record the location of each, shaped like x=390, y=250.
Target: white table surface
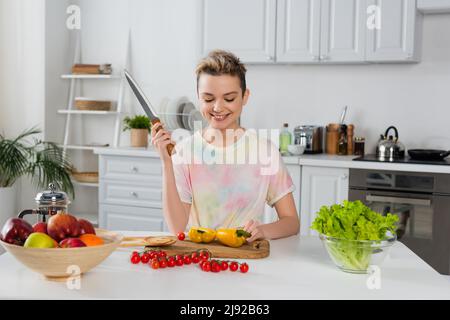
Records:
x=297, y=268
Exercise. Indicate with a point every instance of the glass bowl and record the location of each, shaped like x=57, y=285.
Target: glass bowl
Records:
x=356, y=256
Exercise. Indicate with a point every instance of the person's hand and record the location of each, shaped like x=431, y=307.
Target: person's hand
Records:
x=255, y=228
x=160, y=140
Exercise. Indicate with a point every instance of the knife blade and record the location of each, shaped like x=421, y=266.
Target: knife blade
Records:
x=146, y=105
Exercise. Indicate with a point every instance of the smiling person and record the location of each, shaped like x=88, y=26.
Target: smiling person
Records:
x=202, y=185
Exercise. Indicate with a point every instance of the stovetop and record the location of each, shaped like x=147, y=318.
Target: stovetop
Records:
x=374, y=158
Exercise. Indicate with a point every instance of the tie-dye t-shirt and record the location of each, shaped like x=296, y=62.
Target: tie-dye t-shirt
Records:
x=228, y=186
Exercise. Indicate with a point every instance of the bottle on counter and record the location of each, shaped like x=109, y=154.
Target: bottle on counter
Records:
x=359, y=146
x=342, y=142
x=285, y=139
x=350, y=133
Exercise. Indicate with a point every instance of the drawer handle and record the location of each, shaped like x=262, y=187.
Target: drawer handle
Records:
x=134, y=169
x=133, y=194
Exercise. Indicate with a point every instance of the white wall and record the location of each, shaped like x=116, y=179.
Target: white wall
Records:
x=22, y=76
x=165, y=49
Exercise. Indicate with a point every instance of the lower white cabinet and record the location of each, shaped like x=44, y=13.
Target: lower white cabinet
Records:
x=130, y=193
x=114, y=217
x=320, y=186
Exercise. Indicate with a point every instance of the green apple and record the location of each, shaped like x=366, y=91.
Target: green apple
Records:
x=39, y=240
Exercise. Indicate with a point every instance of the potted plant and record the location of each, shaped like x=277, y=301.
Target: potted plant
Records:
x=43, y=162
x=140, y=126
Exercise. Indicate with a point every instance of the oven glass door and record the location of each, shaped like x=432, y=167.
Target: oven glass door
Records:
x=423, y=222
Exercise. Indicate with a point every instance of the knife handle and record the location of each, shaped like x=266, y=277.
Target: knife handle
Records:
x=169, y=146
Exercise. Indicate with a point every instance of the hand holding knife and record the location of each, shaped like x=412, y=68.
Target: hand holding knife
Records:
x=146, y=105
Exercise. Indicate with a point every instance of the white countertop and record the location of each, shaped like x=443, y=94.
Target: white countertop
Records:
x=319, y=160
x=297, y=268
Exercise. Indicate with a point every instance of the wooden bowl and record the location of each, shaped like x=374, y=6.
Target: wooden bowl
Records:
x=65, y=262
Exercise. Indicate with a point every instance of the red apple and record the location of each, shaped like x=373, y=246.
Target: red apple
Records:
x=16, y=231
x=63, y=225
x=40, y=227
x=71, y=243
x=86, y=227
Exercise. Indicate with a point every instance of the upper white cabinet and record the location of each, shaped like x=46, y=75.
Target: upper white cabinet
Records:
x=343, y=31
x=321, y=186
x=398, y=37
x=247, y=28
x=298, y=31
x=313, y=31
x=434, y=6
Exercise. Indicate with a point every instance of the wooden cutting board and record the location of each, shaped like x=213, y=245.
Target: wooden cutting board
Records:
x=255, y=250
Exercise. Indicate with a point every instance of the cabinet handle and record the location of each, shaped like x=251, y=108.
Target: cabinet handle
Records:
x=134, y=169
x=133, y=194
x=325, y=57
x=269, y=58
x=344, y=177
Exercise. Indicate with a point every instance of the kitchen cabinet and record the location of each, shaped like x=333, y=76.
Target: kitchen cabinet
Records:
x=399, y=35
x=320, y=186
x=433, y=6
x=270, y=214
x=313, y=31
x=130, y=193
x=247, y=28
x=343, y=31
x=298, y=31
x=321, y=31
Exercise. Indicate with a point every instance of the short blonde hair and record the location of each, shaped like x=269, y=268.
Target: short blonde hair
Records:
x=219, y=62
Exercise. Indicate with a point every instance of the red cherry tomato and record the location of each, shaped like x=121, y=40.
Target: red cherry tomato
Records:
x=244, y=267
x=206, y=266
x=145, y=258
x=233, y=266
x=181, y=236
x=135, y=259
x=163, y=263
x=179, y=262
x=171, y=263
x=224, y=265
x=155, y=264
x=195, y=259
x=215, y=267
x=187, y=259
x=162, y=254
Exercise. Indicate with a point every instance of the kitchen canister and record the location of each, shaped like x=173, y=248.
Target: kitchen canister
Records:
x=332, y=137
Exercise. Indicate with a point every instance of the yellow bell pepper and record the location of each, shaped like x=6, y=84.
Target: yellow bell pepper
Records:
x=201, y=235
x=232, y=237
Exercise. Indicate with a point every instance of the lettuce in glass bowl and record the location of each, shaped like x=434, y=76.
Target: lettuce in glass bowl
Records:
x=355, y=236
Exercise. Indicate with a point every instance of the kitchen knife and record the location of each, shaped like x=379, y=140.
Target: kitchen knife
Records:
x=146, y=105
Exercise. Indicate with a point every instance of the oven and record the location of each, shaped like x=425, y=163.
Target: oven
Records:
x=422, y=203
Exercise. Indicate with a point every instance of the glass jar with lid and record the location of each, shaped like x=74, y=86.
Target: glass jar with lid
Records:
x=359, y=146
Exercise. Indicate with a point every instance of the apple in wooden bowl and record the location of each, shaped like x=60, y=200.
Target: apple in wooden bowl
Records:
x=65, y=262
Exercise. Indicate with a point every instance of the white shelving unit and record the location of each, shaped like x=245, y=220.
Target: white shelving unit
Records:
x=70, y=112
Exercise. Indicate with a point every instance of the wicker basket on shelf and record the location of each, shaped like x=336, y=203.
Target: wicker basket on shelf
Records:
x=92, y=105
x=89, y=177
